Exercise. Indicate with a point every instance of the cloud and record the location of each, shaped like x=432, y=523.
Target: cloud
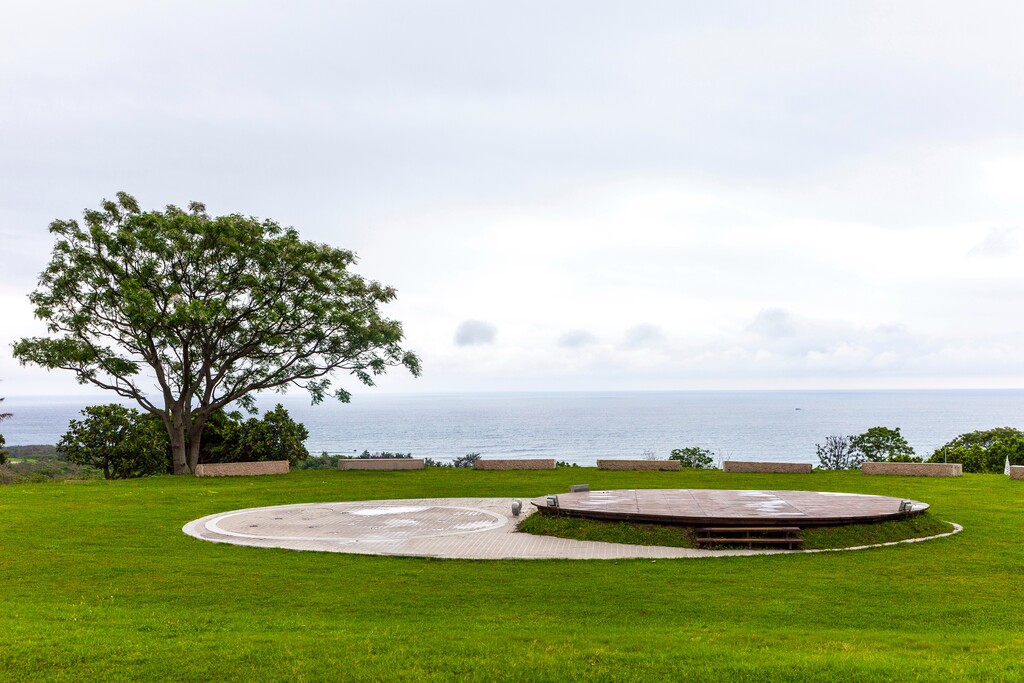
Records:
x=475, y=333
x=998, y=242
x=642, y=336
x=574, y=339
x=773, y=323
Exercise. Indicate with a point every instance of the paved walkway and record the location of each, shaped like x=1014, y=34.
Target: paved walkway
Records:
x=451, y=528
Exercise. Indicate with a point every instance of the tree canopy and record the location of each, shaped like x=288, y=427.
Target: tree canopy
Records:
x=3, y=442
x=881, y=444
x=984, y=450
x=118, y=440
x=186, y=313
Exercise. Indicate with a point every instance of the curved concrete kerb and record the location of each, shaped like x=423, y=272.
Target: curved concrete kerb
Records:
x=451, y=528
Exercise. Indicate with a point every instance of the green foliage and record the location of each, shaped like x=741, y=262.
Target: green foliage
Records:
x=695, y=457
x=881, y=444
x=211, y=309
x=581, y=529
x=100, y=584
x=837, y=454
x=984, y=451
x=462, y=462
x=381, y=455
x=274, y=437
x=845, y=536
x=117, y=440
x=3, y=442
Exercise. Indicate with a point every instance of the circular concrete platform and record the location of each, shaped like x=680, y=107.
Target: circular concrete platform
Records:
x=716, y=507
x=451, y=528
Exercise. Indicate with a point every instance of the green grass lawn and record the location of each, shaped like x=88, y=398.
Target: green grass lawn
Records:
x=99, y=582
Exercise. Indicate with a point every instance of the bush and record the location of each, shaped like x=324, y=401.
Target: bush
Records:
x=382, y=455
x=838, y=454
x=984, y=451
x=881, y=444
x=695, y=457
x=274, y=437
x=465, y=461
x=119, y=441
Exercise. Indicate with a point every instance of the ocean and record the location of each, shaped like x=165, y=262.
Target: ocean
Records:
x=580, y=427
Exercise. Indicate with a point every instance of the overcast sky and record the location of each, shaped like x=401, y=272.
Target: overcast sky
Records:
x=567, y=195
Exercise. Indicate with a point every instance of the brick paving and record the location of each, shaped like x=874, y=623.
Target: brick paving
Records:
x=722, y=507
x=451, y=528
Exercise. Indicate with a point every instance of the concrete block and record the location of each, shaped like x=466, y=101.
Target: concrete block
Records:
x=522, y=464
x=914, y=469
x=241, y=469
x=380, y=464
x=638, y=464
x=767, y=467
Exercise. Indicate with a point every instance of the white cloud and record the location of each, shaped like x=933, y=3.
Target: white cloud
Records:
x=998, y=242
x=574, y=339
x=475, y=333
x=659, y=195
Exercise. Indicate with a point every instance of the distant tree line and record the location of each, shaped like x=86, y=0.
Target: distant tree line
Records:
x=123, y=443
x=984, y=451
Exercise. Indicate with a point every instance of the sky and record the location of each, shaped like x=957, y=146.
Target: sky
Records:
x=567, y=196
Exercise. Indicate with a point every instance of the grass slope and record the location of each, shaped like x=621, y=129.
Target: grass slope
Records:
x=100, y=583
x=822, y=538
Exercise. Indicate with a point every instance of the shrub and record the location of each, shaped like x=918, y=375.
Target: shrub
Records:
x=274, y=437
x=465, y=461
x=838, y=454
x=695, y=457
x=229, y=438
x=367, y=455
x=984, y=451
x=119, y=441
x=881, y=444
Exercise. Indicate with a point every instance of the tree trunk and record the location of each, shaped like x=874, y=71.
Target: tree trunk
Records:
x=176, y=432
x=195, y=436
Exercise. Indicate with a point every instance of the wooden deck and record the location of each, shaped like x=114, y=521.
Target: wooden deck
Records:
x=716, y=507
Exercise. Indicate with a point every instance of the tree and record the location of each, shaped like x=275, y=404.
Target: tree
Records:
x=694, y=456
x=275, y=437
x=881, y=444
x=984, y=451
x=215, y=308
x=837, y=454
x=3, y=442
x=120, y=441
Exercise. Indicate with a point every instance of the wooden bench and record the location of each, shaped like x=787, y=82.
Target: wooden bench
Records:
x=750, y=536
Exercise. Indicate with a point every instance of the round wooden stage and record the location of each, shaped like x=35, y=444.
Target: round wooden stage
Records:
x=716, y=507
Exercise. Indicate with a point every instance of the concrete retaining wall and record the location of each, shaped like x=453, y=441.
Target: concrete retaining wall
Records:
x=914, y=469
x=1016, y=471
x=767, y=467
x=241, y=469
x=525, y=464
x=638, y=464
x=381, y=464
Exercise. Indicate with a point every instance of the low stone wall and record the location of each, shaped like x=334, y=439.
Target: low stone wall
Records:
x=1016, y=471
x=241, y=469
x=380, y=464
x=525, y=464
x=767, y=467
x=638, y=464
x=914, y=469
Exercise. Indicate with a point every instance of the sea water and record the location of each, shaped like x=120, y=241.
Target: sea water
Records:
x=781, y=426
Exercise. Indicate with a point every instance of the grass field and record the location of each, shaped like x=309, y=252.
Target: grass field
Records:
x=99, y=583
